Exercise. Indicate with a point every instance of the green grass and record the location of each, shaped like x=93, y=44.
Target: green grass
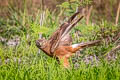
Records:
x=41, y=67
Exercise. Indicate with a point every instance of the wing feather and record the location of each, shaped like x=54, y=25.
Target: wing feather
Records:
x=62, y=33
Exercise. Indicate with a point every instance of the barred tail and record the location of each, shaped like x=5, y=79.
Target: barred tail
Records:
x=76, y=47
x=89, y=44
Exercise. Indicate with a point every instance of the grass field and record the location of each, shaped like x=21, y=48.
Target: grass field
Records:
x=36, y=67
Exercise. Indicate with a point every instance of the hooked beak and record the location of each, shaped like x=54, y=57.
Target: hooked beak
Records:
x=38, y=43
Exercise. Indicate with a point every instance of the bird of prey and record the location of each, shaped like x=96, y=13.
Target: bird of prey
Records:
x=59, y=45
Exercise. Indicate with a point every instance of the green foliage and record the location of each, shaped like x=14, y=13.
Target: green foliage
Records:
x=38, y=67
x=71, y=6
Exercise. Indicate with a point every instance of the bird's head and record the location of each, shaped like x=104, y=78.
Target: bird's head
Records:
x=41, y=43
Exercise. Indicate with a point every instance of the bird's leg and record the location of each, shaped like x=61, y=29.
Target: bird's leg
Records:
x=64, y=61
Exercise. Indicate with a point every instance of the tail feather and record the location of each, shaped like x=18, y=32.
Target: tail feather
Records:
x=88, y=44
x=76, y=47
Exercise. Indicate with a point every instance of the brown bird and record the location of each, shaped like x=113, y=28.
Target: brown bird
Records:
x=59, y=45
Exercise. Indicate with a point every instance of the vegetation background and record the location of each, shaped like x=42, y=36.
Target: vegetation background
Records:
x=23, y=21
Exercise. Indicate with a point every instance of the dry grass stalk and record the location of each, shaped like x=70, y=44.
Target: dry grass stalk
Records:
x=117, y=15
x=88, y=14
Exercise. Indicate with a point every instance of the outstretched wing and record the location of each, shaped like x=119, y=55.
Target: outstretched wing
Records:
x=62, y=34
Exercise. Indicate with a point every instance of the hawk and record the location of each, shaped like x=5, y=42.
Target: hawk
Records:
x=59, y=45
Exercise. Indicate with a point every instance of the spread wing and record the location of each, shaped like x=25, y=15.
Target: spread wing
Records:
x=61, y=36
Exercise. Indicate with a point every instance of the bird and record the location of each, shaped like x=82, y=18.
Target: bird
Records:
x=60, y=46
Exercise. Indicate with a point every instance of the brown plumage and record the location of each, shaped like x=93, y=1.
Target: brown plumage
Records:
x=59, y=45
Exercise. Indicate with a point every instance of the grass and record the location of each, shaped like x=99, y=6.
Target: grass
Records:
x=25, y=62
x=41, y=68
